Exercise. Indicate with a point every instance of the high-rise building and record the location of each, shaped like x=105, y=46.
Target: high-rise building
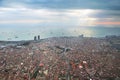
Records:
x=38, y=37
x=35, y=38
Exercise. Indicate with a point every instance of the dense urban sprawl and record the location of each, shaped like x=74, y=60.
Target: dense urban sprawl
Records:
x=64, y=58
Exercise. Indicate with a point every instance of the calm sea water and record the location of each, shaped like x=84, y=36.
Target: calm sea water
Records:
x=28, y=33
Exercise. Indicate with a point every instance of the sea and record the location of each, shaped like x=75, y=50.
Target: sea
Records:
x=27, y=33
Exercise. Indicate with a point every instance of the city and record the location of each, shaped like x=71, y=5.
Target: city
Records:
x=59, y=39
x=62, y=58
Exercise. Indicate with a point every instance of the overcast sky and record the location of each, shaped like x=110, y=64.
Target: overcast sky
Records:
x=60, y=13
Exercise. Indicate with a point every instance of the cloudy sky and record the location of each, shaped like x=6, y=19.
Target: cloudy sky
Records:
x=60, y=12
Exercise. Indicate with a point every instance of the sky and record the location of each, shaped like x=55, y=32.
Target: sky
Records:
x=62, y=12
x=59, y=13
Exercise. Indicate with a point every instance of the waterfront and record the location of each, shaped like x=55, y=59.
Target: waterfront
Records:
x=27, y=33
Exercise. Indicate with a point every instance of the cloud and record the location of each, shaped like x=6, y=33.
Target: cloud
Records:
x=46, y=16
x=106, y=13
x=65, y=4
x=107, y=23
x=52, y=17
x=60, y=12
x=21, y=21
